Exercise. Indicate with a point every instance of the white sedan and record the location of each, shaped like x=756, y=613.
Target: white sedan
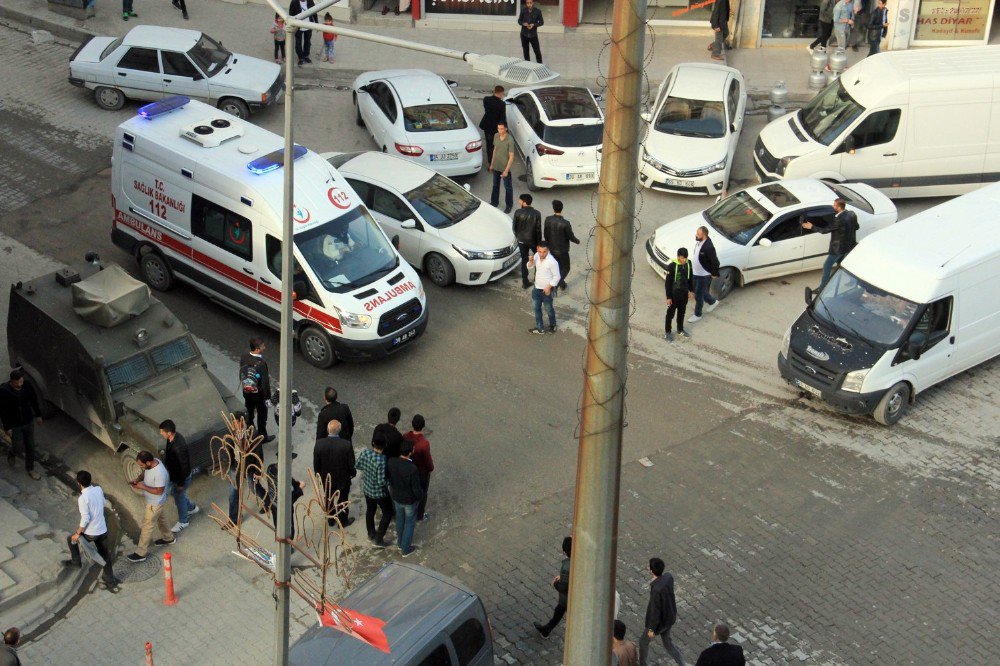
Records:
x=558, y=130
x=414, y=114
x=443, y=230
x=693, y=130
x=757, y=233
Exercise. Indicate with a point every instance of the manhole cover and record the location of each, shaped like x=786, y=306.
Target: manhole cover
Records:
x=135, y=572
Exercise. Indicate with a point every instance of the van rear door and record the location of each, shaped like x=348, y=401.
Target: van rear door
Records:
x=878, y=141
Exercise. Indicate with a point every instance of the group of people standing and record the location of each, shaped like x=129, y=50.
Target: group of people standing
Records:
x=687, y=279
x=850, y=22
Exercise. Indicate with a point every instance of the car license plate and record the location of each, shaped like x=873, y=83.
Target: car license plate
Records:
x=808, y=389
x=400, y=339
x=510, y=262
x=443, y=157
x=680, y=183
x=579, y=176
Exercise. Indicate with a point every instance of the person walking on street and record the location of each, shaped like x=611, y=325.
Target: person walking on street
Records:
x=559, y=234
x=389, y=433
x=705, y=267
x=177, y=460
x=152, y=481
x=303, y=36
x=19, y=413
x=333, y=460
x=404, y=486
x=500, y=163
x=679, y=285
x=92, y=527
x=721, y=653
x=877, y=27
x=720, y=25
x=528, y=232
x=843, y=18
x=546, y=281
x=422, y=459
x=530, y=20
x=127, y=11
x=825, y=24
x=372, y=464
x=8, y=655
x=332, y=411
x=843, y=236
x=494, y=112
x=255, y=382
x=859, y=24
x=561, y=585
x=624, y=650
x=182, y=6
x=661, y=613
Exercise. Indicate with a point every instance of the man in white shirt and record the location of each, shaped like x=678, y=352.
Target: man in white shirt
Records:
x=704, y=266
x=92, y=527
x=153, y=483
x=546, y=280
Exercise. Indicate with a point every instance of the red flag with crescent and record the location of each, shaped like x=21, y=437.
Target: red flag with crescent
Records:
x=352, y=623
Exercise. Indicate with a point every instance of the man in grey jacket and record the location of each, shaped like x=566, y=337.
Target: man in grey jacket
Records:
x=661, y=613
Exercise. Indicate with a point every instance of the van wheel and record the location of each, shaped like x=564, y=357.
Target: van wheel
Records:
x=893, y=404
x=316, y=347
x=235, y=107
x=358, y=120
x=439, y=269
x=529, y=175
x=110, y=99
x=156, y=272
x=726, y=282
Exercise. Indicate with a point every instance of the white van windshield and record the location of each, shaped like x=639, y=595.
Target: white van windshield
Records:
x=347, y=252
x=853, y=306
x=829, y=113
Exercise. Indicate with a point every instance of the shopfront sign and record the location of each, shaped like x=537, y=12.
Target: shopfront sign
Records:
x=478, y=7
x=952, y=21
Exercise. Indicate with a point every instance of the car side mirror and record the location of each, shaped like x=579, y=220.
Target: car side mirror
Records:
x=916, y=344
x=732, y=128
x=849, y=145
x=764, y=242
x=363, y=89
x=809, y=296
x=468, y=188
x=646, y=116
x=598, y=97
x=299, y=289
x=451, y=84
x=408, y=224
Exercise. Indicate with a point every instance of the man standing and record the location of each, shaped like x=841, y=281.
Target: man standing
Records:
x=720, y=25
x=624, y=650
x=494, y=113
x=303, y=37
x=19, y=412
x=92, y=527
x=530, y=21
x=721, y=653
x=843, y=18
x=181, y=5
x=375, y=486
x=500, y=164
x=859, y=23
x=255, y=382
x=825, y=25
x=421, y=457
x=877, y=27
x=389, y=433
x=705, y=266
x=661, y=613
x=843, y=236
x=678, y=285
x=404, y=486
x=333, y=460
x=559, y=234
x=528, y=232
x=152, y=481
x=177, y=460
x=561, y=584
x=8, y=655
x=546, y=280
x=334, y=411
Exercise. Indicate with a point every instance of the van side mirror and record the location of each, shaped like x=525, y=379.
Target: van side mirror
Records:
x=646, y=116
x=764, y=242
x=849, y=145
x=809, y=296
x=299, y=290
x=408, y=224
x=916, y=344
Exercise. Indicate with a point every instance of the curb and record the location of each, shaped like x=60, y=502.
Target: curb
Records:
x=72, y=33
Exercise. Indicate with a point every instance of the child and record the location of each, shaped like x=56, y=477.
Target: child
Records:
x=278, y=30
x=329, y=40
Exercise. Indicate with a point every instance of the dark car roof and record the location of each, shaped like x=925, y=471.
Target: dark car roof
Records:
x=412, y=601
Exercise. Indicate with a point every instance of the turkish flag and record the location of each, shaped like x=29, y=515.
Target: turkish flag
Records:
x=364, y=627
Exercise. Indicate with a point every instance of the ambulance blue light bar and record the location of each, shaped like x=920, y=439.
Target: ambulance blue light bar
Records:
x=165, y=105
x=275, y=160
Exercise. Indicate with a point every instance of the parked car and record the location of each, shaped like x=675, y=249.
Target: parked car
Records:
x=558, y=130
x=443, y=230
x=413, y=113
x=693, y=130
x=152, y=62
x=758, y=234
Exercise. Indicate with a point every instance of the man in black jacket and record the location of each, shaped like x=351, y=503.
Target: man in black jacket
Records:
x=528, y=231
x=559, y=234
x=494, y=112
x=333, y=460
x=177, y=460
x=661, y=613
x=561, y=584
x=678, y=285
x=721, y=653
x=303, y=36
x=389, y=434
x=404, y=486
x=334, y=411
x=19, y=412
x=530, y=21
x=705, y=266
x=720, y=24
x=255, y=382
x=843, y=236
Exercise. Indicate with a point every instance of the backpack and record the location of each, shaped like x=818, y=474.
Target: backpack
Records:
x=250, y=379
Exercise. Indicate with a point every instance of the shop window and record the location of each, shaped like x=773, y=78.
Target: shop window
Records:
x=787, y=19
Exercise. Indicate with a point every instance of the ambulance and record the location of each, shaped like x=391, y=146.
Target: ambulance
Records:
x=197, y=197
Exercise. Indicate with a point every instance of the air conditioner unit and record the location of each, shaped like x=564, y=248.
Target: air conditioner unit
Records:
x=213, y=132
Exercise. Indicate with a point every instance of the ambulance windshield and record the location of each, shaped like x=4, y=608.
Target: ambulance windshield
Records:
x=347, y=252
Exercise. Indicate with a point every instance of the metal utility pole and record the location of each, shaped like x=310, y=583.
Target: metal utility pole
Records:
x=595, y=521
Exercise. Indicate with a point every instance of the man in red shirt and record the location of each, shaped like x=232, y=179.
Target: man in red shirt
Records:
x=422, y=459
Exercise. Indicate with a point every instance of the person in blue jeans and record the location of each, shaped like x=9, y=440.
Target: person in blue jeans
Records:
x=406, y=491
x=843, y=230
x=546, y=280
x=705, y=267
x=500, y=163
x=177, y=460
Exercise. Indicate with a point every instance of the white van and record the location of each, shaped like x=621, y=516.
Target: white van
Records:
x=911, y=123
x=911, y=306
x=197, y=197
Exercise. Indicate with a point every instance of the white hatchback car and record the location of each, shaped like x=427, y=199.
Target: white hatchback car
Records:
x=693, y=130
x=443, y=230
x=414, y=114
x=757, y=232
x=558, y=130
x=152, y=62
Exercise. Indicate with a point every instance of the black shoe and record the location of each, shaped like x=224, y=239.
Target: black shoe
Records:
x=371, y=537
x=164, y=542
x=270, y=438
x=349, y=521
x=308, y=60
x=176, y=4
x=562, y=285
x=301, y=62
x=185, y=16
x=507, y=209
x=525, y=285
x=72, y=563
x=552, y=329
x=378, y=543
x=541, y=630
x=536, y=331
x=135, y=557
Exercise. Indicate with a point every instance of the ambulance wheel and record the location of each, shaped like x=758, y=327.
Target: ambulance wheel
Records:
x=235, y=107
x=316, y=347
x=111, y=99
x=893, y=404
x=156, y=272
x=439, y=269
x=358, y=120
x=726, y=282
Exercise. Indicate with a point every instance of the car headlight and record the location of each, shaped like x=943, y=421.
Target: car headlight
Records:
x=718, y=166
x=652, y=161
x=474, y=254
x=854, y=380
x=785, y=342
x=351, y=319
x=782, y=165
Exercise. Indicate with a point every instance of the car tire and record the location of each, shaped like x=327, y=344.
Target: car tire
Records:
x=110, y=99
x=234, y=107
x=728, y=279
x=529, y=175
x=893, y=404
x=316, y=347
x=439, y=270
x=156, y=271
x=358, y=120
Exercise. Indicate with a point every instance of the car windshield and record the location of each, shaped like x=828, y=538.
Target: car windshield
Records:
x=573, y=136
x=567, y=103
x=433, y=118
x=347, y=252
x=853, y=306
x=829, y=113
x=691, y=117
x=441, y=202
x=738, y=217
x=173, y=354
x=851, y=197
x=210, y=56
